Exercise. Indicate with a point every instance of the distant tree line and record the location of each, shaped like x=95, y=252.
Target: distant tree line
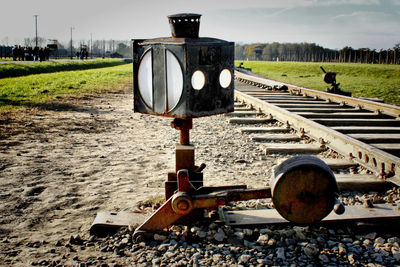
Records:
x=311, y=52
x=366, y=55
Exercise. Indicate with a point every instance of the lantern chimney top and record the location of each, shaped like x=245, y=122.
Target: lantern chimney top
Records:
x=184, y=25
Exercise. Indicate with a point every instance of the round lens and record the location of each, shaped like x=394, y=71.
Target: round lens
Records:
x=145, y=79
x=198, y=80
x=225, y=78
x=174, y=80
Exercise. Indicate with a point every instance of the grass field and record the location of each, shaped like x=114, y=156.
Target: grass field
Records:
x=366, y=80
x=35, y=90
x=26, y=68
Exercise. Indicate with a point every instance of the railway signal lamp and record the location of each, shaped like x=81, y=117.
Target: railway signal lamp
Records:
x=183, y=76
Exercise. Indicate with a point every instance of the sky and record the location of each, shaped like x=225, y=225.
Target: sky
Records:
x=332, y=24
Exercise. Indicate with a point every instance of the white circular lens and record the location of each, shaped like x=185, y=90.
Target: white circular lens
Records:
x=198, y=80
x=174, y=80
x=145, y=79
x=225, y=78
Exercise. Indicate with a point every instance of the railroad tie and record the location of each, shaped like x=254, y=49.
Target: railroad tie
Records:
x=293, y=148
x=242, y=114
x=275, y=137
x=337, y=164
x=362, y=183
x=264, y=130
x=393, y=149
x=243, y=108
x=249, y=120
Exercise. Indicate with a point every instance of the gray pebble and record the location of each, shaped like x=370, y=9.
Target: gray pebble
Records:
x=244, y=258
x=280, y=253
x=311, y=250
x=324, y=258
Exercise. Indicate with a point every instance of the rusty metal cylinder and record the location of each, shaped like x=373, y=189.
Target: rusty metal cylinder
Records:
x=304, y=189
x=329, y=77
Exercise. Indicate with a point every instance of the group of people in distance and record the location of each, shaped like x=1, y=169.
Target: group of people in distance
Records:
x=83, y=54
x=30, y=54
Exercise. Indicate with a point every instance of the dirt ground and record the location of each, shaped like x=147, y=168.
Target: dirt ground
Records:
x=61, y=165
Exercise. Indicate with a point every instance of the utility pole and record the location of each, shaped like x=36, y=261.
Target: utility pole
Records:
x=104, y=49
x=72, y=28
x=36, y=38
x=91, y=46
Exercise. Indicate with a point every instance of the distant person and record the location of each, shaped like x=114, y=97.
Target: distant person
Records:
x=15, y=52
x=35, y=53
x=77, y=55
x=41, y=54
x=20, y=53
x=46, y=53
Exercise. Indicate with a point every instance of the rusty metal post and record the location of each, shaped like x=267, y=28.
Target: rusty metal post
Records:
x=184, y=158
x=184, y=126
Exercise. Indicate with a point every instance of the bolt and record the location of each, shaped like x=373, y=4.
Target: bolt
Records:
x=182, y=205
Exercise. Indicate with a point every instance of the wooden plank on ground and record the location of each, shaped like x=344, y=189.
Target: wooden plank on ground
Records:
x=341, y=115
x=358, y=122
x=279, y=97
x=238, y=105
x=271, y=216
x=362, y=183
x=324, y=110
x=292, y=148
x=249, y=120
x=308, y=105
x=243, y=108
x=377, y=138
x=276, y=137
x=264, y=130
x=336, y=164
x=242, y=114
x=366, y=129
x=272, y=94
x=390, y=148
x=305, y=102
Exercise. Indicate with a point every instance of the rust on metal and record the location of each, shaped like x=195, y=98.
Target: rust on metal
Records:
x=304, y=189
x=184, y=126
x=187, y=198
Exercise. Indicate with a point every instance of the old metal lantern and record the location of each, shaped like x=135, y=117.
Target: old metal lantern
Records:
x=183, y=76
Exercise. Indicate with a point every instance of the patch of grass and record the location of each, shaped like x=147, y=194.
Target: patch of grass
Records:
x=36, y=90
x=363, y=80
x=26, y=68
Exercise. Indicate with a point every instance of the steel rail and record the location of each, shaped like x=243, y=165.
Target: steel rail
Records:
x=385, y=165
x=356, y=102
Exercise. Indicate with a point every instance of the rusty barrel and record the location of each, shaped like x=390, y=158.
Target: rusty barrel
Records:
x=303, y=189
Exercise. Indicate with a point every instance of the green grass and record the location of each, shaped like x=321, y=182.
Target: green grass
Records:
x=39, y=89
x=26, y=68
x=363, y=80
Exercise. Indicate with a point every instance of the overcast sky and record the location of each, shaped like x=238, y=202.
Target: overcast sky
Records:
x=330, y=23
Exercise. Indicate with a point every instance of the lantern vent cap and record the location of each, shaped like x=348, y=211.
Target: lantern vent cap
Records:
x=184, y=25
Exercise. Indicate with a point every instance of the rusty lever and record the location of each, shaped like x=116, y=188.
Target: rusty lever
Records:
x=187, y=198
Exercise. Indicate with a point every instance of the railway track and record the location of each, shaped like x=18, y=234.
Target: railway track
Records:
x=363, y=131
